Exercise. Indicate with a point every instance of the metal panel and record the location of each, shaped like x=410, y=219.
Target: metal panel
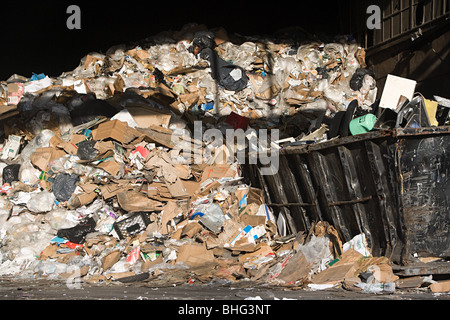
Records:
x=424, y=168
x=393, y=186
x=405, y=17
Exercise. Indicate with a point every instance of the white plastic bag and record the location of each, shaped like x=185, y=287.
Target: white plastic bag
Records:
x=41, y=202
x=28, y=174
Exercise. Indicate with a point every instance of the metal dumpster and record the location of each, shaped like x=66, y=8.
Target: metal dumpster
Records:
x=391, y=185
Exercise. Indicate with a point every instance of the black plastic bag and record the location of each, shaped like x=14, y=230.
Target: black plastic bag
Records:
x=202, y=40
x=357, y=79
x=86, y=150
x=64, y=185
x=340, y=123
x=11, y=173
x=78, y=233
x=90, y=109
x=230, y=76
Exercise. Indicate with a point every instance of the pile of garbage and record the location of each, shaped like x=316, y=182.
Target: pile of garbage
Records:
x=103, y=179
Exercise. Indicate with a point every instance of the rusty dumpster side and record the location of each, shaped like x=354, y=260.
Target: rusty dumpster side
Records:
x=391, y=185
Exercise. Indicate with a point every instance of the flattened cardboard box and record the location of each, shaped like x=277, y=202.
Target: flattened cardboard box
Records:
x=147, y=116
x=194, y=255
x=68, y=147
x=117, y=130
x=134, y=201
x=217, y=172
x=42, y=156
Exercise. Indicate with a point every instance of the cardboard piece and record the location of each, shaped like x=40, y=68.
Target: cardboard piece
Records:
x=177, y=189
x=249, y=196
x=77, y=138
x=431, y=108
x=191, y=229
x=296, y=268
x=109, y=260
x=410, y=282
x=42, y=156
x=75, y=273
x=8, y=111
x=121, y=275
x=68, y=147
x=263, y=250
x=345, y=268
x=147, y=116
x=383, y=273
x=134, y=201
x=81, y=199
x=50, y=252
x=194, y=255
x=264, y=87
x=252, y=220
x=170, y=211
x=394, y=88
x=111, y=166
x=138, y=53
x=217, y=172
x=112, y=189
x=157, y=134
x=440, y=286
x=116, y=130
x=231, y=229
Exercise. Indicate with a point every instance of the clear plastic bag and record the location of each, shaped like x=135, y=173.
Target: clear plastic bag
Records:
x=28, y=174
x=41, y=202
x=42, y=140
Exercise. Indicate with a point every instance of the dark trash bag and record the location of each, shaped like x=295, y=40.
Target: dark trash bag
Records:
x=222, y=71
x=11, y=173
x=90, y=109
x=86, y=150
x=357, y=79
x=78, y=233
x=340, y=123
x=228, y=81
x=202, y=40
x=64, y=185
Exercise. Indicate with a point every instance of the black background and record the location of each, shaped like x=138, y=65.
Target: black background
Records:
x=35, y=38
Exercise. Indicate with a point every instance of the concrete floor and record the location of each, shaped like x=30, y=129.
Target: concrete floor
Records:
x=59, y=290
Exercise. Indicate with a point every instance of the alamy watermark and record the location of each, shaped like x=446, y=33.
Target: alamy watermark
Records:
x=74, y=20
x=374, y=20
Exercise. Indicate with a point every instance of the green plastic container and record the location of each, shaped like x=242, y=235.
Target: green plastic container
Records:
x=362, y=124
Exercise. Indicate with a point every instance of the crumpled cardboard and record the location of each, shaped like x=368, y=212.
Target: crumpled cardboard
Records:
x=134, y=201
x=345, y=268
x=147, y=116
x=112, y=189
x=191, y=229
x=68, y=147
x=81, y=199
x=217, y=172
x=109, y=260
x=297, y=268
x=110, y=165
x=440, y=286
x=116, y=130
x=170, y=211
x=262, y=250
x=42, y=156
